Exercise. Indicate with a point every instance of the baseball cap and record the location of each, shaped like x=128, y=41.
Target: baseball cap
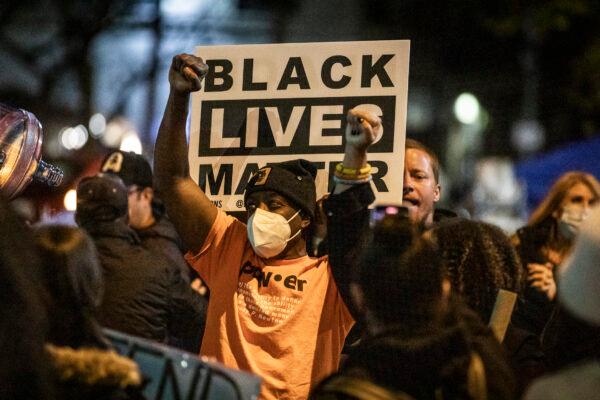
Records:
x=132, y=168
x=102, y=197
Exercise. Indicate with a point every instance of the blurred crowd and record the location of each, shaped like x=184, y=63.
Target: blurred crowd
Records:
x=321, y=298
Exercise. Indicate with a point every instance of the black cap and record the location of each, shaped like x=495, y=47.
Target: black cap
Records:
x=132, y=168
x=102, y=197
x=295, y=180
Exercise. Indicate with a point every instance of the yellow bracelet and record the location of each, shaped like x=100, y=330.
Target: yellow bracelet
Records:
x=352, y=171
x=351, y=177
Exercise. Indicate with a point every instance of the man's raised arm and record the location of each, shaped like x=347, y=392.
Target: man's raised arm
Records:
x=188, y=207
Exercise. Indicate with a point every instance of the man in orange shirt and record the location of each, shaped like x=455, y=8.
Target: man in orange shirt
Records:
x=273, y=310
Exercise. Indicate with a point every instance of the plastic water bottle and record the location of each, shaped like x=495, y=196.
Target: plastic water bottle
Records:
x=21, y=151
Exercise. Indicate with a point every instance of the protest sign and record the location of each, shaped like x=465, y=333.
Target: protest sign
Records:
x=262, y=104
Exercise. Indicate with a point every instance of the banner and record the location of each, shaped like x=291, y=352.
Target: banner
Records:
x=262, y=104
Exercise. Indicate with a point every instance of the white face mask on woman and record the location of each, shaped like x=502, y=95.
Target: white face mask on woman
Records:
x=571, y=218
x=269, y=232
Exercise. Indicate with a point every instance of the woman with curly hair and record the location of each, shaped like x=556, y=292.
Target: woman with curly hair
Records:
x=479, y=260
x=420, y=344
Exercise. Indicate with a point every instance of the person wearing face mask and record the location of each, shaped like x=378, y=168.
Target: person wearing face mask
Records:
x=537, y=324
x=545, y=242
x=274, y=310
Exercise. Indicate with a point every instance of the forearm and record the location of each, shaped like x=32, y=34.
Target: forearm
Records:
x=348, y=234
x=170, y=152
x=353, y=158
x=190, y=210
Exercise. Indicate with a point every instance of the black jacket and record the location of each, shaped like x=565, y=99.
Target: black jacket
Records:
x=163, y=238
x=533, y=309
x=348, y=234
x=145, y=295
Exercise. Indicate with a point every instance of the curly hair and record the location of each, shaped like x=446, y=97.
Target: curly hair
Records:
x=479, y=259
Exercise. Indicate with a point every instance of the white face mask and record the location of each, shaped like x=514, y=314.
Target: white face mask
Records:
x=269, y=232
x=570, y=220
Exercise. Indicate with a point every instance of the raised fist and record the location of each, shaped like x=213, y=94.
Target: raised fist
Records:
x=186, y=73
x=362, y=129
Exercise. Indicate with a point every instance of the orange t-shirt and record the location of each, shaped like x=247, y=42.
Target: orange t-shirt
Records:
x=284, y=321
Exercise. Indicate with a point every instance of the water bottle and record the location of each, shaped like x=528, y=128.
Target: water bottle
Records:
x=21, y=152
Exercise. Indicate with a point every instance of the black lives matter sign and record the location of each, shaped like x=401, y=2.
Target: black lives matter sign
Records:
x=262, y=104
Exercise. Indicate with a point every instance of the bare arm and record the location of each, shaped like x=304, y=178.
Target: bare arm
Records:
x=188, y=207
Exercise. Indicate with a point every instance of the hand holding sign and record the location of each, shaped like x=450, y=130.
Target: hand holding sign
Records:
x=186, y=73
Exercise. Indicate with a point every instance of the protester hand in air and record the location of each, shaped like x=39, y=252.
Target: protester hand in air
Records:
x=541, y=277
x=186, y=73
x=362, y=128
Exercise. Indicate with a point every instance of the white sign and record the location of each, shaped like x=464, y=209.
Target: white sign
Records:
x=269, y=103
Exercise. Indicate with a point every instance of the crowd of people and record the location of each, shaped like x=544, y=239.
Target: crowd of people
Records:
x=439, y=306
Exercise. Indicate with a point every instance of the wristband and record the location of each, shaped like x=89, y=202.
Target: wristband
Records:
x=337, y=179
x=353, y=171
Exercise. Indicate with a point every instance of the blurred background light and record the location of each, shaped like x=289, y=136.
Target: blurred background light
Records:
x=97, y=125
x=115, y=132
x=131, y=142
x=74, y=138
x=528, y=136
x=70, y=200
x=466, y=108
x=181, y=8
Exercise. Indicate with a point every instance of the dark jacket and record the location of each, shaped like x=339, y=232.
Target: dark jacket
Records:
x=144, y=294
x=163, y=238
x=348, y=234
x=422, y=362
x=568, y=340
x=533, y=310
